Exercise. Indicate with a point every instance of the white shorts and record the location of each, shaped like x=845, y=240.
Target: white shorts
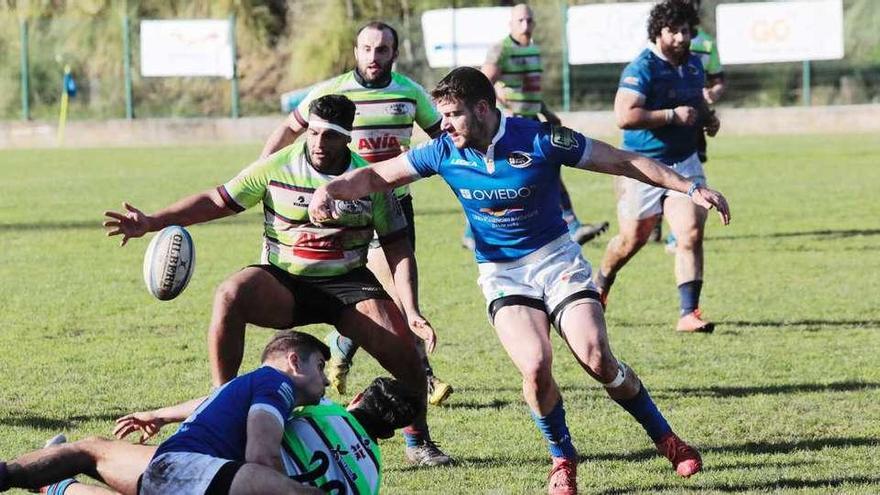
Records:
x=639, y=200
x=549, y=279
x=181, y=473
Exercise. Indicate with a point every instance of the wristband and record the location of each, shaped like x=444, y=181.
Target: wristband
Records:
x=670, y=115
x=694, y=186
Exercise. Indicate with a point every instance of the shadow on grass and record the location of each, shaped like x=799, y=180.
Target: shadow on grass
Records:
x=58, y=424
x=818, y=323
x=759, y=486
x=472, y=404
x=822, y=234
x=785, y=389
x=97, y=227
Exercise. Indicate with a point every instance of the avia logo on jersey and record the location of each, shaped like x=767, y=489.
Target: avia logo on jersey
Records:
x=463, y=163
x=493, y=194
x=397, y=109
x=519, y=159
x=500, y=212
x=383, y=142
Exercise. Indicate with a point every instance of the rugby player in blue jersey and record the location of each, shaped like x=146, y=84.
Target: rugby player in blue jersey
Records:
x=660, y=106
x=505, y=174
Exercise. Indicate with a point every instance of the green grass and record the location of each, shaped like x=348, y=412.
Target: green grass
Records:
x=784, y=397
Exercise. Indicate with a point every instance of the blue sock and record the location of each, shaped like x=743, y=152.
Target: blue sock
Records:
x=60, y=487
x=642, y=408
x=555, y=430
x=689, y=295
x=341, y=346
x=414, y=438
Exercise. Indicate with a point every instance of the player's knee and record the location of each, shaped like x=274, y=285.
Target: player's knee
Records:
x=228, y=294
x=691, y=240
x=537, y=371
x=633, y=241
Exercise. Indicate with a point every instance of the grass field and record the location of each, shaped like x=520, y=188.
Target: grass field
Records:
x=784, y=397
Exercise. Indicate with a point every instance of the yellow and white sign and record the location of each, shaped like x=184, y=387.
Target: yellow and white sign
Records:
x=200, y=47
x=763, y=32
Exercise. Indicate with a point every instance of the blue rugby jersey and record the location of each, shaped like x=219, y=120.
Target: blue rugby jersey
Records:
x=219, y=426
x=511, y=194
x=663, y=86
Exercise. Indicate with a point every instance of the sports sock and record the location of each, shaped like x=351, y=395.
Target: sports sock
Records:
x=345, y=347
x=60, y=487
x=689, y=296
x=4, y=477
x=642, y=408
x=413, y=437
x=555, y=430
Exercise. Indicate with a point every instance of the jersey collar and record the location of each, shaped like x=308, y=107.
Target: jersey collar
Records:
x=382, y=83
x=490, y=152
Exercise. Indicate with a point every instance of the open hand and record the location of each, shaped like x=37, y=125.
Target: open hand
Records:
x=131, y=224
x=146, y=422
x=423, y=329
x=708, y=198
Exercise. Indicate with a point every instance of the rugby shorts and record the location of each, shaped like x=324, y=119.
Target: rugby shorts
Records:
x=188, y=473
x=406, y=204
x=322, y=299
x=549, y=279
x=639, y=200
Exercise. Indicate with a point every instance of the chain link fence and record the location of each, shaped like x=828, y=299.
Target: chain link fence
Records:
x=286, y=45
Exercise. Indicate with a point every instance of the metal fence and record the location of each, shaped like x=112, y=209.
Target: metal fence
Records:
x=311, y=40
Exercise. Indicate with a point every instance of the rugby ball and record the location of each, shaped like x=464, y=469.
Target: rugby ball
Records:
x=169, y=262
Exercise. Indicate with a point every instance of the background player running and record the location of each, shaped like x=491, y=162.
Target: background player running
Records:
x=388, y=105
x=505, y=174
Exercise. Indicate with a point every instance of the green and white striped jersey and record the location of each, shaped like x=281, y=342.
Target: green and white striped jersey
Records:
x=521, y=72
x=324, y=446
x=284, y=183
x=385, y=115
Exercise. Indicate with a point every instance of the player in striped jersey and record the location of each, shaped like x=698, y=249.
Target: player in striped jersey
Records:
x=514, y=66
x=323, y=446
x=311, y=273
x=388, y=105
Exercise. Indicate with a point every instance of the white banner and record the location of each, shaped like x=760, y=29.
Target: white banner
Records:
x=186, y=48
x=780, y=31
x=607, y=33
x=463, y=36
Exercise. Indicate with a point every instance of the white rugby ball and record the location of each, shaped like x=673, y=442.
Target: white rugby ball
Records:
x=169, y=262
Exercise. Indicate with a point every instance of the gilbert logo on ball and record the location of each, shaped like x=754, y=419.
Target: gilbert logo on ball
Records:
x=169, y=262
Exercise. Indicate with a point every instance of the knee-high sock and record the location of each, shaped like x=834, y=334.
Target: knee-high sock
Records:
x=555, y=430
x=689, y=296
x=642, y=408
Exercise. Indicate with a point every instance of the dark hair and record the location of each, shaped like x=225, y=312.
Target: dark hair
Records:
x=466, y=84
x=669, y=14
x=385, y=406
x=336, y=109
x=381, y=26
x=303, y=344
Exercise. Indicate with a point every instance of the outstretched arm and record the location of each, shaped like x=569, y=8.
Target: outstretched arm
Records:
x=355, y=184
x=404, y=272
x=198, y=208
x=610, y=160
x=150, y=422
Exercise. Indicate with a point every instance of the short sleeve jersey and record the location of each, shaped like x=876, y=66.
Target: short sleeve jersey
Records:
x=325, y=446
x=704, y=46
x=510, y=194
x=663, y=86
x=219, y=426
x=383, y=124
x=521, y=72
x=284, y=182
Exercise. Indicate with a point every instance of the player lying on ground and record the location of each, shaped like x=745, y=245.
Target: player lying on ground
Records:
x=532, y=274
x=309, y=273
x=388, y=105
x=310, y=448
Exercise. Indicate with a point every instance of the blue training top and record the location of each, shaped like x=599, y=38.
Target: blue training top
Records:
x=663, y=85
x=511, y=195
x=219, y=426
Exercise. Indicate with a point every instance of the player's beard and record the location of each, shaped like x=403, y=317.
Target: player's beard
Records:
x=384, y=70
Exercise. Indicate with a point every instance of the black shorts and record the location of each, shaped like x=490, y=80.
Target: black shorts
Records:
x=322, y=299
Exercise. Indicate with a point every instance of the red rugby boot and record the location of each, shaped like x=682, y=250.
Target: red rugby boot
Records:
x=684, y=458
x=563, y=477
x=693, y=322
